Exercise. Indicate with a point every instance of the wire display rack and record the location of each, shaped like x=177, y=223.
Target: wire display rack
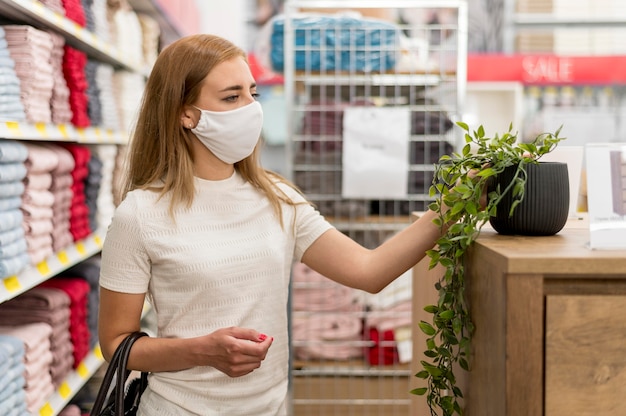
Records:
x=373, y=89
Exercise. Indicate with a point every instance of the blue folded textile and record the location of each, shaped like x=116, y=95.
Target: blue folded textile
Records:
x=14, y=248
x=14, y=265
x=9, y=189
x=345, y=43
x=11, y=235
x=10, y=203
x=10, y=219
x=15, y=404
x=12, y=151
x=12, y=171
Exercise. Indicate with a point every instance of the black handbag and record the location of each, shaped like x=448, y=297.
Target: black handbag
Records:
x=115, y=398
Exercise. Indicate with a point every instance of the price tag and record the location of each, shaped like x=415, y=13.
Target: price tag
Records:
x=81, y=133
x=80, y=247
x=41, y=129
x=43, y=268
x=63, y=131
x=97, y=240
x=46, y=410
x=12, y=284
x=82, y=370
x=14, y=128
x=65, y=390
x=63, y=258
x=98, y=352
x=98, y=134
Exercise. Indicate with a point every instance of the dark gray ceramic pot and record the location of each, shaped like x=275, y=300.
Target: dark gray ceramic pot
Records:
x=545, y=207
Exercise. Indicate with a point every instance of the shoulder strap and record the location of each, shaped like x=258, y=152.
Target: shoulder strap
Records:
x=119, y=360
x=122, y=370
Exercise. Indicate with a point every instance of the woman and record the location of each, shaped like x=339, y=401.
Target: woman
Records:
x=210, y=237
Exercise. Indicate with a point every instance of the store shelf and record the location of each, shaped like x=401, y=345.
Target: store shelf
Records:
x=550, y=21
x=34, y=13
x=61, y=132
x=76, y=380
x=73, y=383
x=368, y=79
x=349, y=368
x=15, y=285
x=170, y=30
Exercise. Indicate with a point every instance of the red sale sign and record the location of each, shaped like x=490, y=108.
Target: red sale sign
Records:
x=547, y=69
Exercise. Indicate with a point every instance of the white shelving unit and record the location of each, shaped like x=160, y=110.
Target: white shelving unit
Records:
x=76, y=380
x=564, y=19
x=391, y=56
x=15, y=285
x=34, y=13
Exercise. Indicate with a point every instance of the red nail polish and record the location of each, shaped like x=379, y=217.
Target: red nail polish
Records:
x=262, y=337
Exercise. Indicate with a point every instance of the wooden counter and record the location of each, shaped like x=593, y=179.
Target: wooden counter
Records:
x=550, y=318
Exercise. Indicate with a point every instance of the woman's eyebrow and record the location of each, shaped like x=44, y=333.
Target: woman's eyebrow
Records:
x=237, y=87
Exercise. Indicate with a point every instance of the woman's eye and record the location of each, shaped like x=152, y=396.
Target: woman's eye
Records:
x=231, y=98
x=256, y=96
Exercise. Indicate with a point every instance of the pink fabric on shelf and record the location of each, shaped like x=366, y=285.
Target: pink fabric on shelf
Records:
x=38, y=180
x=31, y=51
x=396, y=316
x=31, y=334
x=66, y=161
x=327, y=317
x=40, y=159
x=34, y=226
x=59, y=103
x=315, y=292
x=38, y=197
x=37, y=212
x=78, y=290
x=39, y=362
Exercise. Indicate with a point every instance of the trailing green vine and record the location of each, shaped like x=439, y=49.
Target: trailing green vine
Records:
x=458, y=189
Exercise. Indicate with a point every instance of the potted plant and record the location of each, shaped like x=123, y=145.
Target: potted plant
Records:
x=502, y=168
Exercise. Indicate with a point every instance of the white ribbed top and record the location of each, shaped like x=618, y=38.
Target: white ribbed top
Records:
x=225, y=262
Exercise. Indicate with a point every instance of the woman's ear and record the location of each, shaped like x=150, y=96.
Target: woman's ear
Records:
x=188, y=118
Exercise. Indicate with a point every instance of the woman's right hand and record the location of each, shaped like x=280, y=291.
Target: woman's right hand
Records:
x=234, y=351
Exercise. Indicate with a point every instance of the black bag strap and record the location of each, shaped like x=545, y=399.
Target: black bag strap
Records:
x=117, y=366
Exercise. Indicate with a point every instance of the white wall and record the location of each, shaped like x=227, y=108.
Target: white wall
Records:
x=228, y=19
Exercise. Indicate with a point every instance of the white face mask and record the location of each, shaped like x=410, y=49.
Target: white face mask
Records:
x=230, y=135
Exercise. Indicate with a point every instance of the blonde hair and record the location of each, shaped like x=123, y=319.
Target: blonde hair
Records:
x=160, y=155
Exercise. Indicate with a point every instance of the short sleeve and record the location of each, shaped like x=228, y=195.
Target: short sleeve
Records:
x=310, y=224
x=125, y=264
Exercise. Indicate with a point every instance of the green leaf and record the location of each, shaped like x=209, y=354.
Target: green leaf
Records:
x=422, y=374
x=446, y=315
x=430, y=344
x=431, y=308
x=463, y=363
x=486, y=172
x=432, y=370
x=427, y=328
x=419, y=391
x=462, y=125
